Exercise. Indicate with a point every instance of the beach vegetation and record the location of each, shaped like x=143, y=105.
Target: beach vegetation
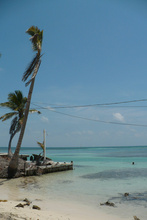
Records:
x=32, y=70
x=16, y=103
x=41, y=145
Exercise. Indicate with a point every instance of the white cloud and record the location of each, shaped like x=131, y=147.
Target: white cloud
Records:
x=119, y=117
x=44, y=119
x=49, y=108
x=80, y=133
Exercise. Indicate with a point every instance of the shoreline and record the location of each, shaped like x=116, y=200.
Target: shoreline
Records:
x=58, y=208
x=60, y=211
x=51, y=208
x=55, y=207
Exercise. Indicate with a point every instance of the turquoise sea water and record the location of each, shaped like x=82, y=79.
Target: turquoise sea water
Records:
x=100, y=174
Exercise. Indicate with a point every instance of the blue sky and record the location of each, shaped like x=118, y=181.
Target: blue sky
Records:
x=94, y=52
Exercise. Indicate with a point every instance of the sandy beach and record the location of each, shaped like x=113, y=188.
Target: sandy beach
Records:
x=50, y=208
x=63, y=211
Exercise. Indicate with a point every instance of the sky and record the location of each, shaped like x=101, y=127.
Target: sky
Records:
x=94, y=52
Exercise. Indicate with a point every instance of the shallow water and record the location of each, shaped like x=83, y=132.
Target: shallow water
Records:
x=100, y=174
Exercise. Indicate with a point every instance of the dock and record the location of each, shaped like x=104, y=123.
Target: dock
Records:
x=39, y=167
x=34, y=170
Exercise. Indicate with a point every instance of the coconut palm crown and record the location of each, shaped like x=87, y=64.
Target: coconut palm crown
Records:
x=16, y=102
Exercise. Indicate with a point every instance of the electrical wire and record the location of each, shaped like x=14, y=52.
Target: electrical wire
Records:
x=94, y=105
x=89, y=119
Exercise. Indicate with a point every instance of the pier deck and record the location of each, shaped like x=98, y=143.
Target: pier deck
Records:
x=33, y=170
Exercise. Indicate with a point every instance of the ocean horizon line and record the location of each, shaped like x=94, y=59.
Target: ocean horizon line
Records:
x=81, y=147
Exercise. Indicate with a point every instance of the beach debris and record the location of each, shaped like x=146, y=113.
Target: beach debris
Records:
x=126, y=194
x=108, y=204
x=27, y=201
x=3, y=200
x=135, y=218
x=20, y=205
x=36, y=207
x=38, y=199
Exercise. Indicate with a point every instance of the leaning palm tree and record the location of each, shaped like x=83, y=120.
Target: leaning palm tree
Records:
x=16, y=103
x=36, y=39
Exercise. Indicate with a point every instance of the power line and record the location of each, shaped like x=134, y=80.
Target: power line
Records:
x=94, y=105
x=118, y=106
x=95, y=120
x=98, y=104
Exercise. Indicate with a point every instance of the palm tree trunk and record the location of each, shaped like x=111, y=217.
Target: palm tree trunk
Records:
x=13, y=165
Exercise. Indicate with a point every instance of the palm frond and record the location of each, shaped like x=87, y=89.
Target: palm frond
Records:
x=18, y=126
x=19, y=96
x=32, y=30
x=40, y=145
x=16, y=101
x=41, y=36
x=34, y=111
x=7, y=116
x=5, y=104
x=30, y=68
x=34, y=74
x=34, y=42
x=13, y=125
x=36, y=37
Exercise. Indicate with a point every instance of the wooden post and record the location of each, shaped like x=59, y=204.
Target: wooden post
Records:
x=44, y=142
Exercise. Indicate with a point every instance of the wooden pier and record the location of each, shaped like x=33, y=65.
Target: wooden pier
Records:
x=39, y=167
x=34, y=170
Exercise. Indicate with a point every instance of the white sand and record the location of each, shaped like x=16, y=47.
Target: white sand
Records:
x=51, y=208
x=60, y=211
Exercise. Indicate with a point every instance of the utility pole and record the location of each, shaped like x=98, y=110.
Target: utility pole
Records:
x=44, y=142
